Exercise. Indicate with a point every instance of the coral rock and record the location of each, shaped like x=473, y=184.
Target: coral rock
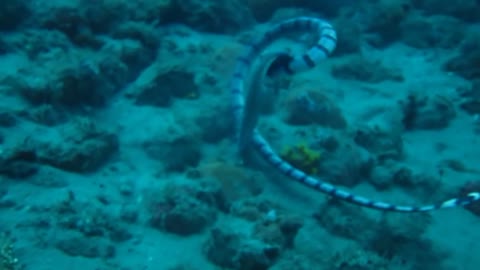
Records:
x=234, y=250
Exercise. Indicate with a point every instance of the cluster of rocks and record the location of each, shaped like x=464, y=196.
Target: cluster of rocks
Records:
x=389, y=242
x=83, y=148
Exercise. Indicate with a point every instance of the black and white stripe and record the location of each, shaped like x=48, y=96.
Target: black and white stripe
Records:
x=288, y=170
x=290, y=65
x=321, y=50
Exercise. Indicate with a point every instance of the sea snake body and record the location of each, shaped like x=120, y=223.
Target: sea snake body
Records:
x=258, y=97
x=288, y=64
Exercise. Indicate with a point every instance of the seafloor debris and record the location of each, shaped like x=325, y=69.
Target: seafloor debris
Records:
x=8, y=260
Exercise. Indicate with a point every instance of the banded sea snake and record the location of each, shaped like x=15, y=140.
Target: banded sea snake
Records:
x=285, y=63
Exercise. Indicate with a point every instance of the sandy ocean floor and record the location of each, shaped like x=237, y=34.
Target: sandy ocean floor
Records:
x=116, y=130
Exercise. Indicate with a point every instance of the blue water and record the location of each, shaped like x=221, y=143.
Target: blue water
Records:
x=359, y=141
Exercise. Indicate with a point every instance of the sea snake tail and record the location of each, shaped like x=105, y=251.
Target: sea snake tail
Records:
x=288, y=170
x=290, y=65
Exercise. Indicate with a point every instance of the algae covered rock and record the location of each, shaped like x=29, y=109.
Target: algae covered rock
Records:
x=83, y=155
x=13, y=13
x=177, y=155
x=314, y=107
x=432, y=32
x=221, y=16
x=227, y=248
x=466, y=10
x=184, y=209
x=466, y=65
x=165, y=86
x=427, y=112
x=363, y=69
x=83, y=147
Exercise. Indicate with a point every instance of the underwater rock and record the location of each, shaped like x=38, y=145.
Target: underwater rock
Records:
x=401, y=238
x=384, y=20
x=227, y=248
x=18, y=162
x=381, y=177
x=221, y=16
x=471, y=91
x=13, y=13
x=127, y=59
x=129, y=214
x=86, y=247
x=395, y=235
x=49, y=178
x=470, y=98
x=466, y=65
x=71, y=87
x=357, y=258
x=211, y=193
x=145, y=33
x=215, y=124
x=18, y=169
x=164, y=87
x=86, y=155
x=135, y=43
x=424, y=186
x=470, y=43
x=408, y=227
x=348, y=165
x=471, y=106
x=182, y=210
x=38, y=42
x=185, y=218
x=383, y=144
x=224, y=16
x=114, y=72
x=361, y=68
x=265, y=10
x=7, y=119
x=252, y=209
x=432, y=32
x=91, y=221
x=83, y=148
x=103, y=16
x=345, y=220
x=177, y=155
x=297, y=261
x=4, y=46
x=314, y=107
x=466, y=10
x=234, y=181
x=277, y=229
x=81, y=85
x=351, y=36
x=427, y=112
x=46, y=115
x=66, y=19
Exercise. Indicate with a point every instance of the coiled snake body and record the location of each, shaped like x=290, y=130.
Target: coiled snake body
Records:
x=287, y=64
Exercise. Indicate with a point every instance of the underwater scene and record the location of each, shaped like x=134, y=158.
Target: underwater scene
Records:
x=240, y=135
